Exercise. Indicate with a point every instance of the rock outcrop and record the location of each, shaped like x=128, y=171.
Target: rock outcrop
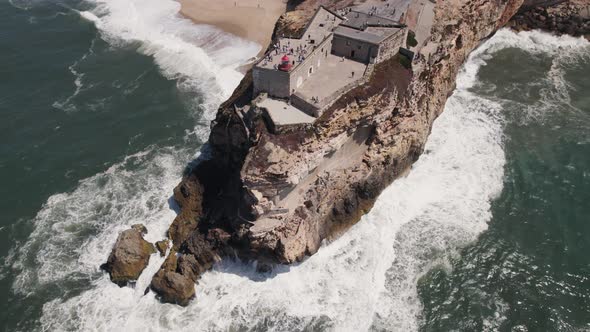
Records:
x=564, y=17
x=323, y=178
x=162, y=247
x=327, y=176
x=175, y=281
x=129, y=256
x=173, y=287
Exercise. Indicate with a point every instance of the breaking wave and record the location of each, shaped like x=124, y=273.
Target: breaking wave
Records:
x=203, y=60
x=180, y=48
x=364, y=280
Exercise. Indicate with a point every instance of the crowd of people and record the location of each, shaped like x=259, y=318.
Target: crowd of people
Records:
x=299, y=53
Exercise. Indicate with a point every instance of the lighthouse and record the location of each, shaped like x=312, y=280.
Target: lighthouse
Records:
x=285, y=63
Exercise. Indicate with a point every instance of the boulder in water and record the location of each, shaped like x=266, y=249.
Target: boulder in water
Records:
x=129, y=256
x=162, y=246
x=140, y=228
x=173, y=287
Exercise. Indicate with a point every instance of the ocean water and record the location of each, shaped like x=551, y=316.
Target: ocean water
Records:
x=104, y=103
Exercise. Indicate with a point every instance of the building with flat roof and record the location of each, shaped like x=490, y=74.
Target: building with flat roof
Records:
x=333, y=53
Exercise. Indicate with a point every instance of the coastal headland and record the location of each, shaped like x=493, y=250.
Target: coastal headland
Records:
x=340, y=105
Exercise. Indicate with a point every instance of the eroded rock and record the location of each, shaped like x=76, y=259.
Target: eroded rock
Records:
x=173, y=287
x=188, y=194
x=140, y=228
x=129, y=256
x=563, y=17
x=162, y=246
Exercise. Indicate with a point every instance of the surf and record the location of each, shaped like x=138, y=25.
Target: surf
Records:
x=202, y=59
x=364, y=280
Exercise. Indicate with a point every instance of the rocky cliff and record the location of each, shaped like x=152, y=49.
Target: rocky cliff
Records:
x=326, y=176
x=559, y=16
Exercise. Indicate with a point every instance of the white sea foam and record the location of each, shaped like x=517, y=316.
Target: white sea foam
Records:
x=202, y=59
x=364, y=280
x=73, y=231
x=66, y=104
x=564, y=52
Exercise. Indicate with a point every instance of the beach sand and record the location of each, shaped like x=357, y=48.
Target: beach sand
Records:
x=250, y=19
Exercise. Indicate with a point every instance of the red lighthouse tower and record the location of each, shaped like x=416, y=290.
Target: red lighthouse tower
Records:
x=285, y=63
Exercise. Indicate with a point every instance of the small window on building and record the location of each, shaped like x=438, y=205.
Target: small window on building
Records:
x=310, y=70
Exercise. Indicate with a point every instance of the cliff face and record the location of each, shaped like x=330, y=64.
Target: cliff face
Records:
x=324, y=177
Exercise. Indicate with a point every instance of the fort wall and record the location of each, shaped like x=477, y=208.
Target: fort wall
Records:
x=301, y=103
x=390, y=46
x=274, y=82
x=354, y=49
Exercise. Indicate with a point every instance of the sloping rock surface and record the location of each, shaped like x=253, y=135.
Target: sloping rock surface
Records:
x=173, y=287
x=129, y=256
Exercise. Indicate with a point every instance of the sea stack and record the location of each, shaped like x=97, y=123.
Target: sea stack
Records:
x=130, y=256
x=340, y=105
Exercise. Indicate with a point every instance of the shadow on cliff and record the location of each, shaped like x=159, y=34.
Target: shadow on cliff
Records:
x=204, y=154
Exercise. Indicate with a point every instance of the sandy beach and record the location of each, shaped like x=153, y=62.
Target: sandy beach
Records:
x=250, y=19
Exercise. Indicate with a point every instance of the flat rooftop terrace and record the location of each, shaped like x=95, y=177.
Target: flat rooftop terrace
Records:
x=371, y=35
x=360, y=20
x=283, y=114
x=333, y=75
x=390, y=9
x=317, y=31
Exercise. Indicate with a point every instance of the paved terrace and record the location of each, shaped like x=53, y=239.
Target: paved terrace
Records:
x=298, y=49
x=370, y=35
x=283, y=114
x=333, y=75
x=390, y=9
x=360, y=20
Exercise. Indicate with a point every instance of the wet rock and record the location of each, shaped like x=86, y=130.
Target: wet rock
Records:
x=190, y=267
x=565, y=17
x=173, y=287
x=189, y=196
x=129, y=256
x=171, y=262
x=182, y=227
x=202, y=250
x=140, y=228
x=162, y=246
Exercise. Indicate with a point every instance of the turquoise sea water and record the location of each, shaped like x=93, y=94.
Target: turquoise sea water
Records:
x=103, y=104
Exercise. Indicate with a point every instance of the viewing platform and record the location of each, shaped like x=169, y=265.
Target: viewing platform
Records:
x=299, y=77
x=298, y=50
